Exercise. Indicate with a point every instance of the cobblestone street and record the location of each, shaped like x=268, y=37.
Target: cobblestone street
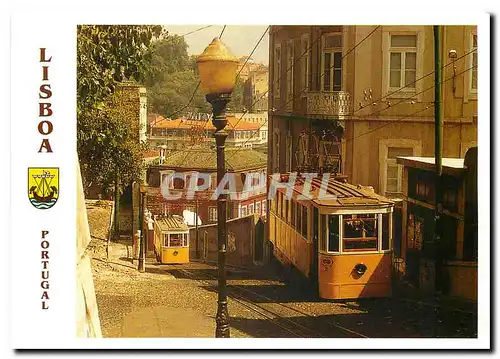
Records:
x=181, y=301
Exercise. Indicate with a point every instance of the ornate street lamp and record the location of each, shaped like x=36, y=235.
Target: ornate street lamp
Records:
x=142, y=207
x=217, y=68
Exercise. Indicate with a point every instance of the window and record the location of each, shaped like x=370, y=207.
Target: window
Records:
x=212, y=214
x=304, y=52
x=277, y=70
x=289, y=69
x=333, y=233
x=176, y=240
x=257, y=208
x=304, y=221
x=293, y=214
x=298, y=220
x=473, y=79
x=394, y=179
x=323, y=231
x=263, y=208
x=330, y=233
x=165, y=240
x=178, y=183
x=244, y=211
x=402, y=61
x=386, y=227
x=331, y=63
x=250, y=208
x=288, y=164
x=360, y=232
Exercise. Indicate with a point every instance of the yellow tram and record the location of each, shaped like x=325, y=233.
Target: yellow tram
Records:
x=342, y=244
x=171, y=239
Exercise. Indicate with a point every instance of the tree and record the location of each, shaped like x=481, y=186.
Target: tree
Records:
x=173, y=80
x=237, y=97
x=108, y=54
x=107, y=128
x=169, y=55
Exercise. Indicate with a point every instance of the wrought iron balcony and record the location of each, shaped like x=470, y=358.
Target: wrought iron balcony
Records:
x=329, y=105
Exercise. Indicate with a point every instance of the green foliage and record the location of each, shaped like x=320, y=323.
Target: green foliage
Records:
x=107, y=54
x=237, y=98
x=174, y=78
x=108, y=120
x=109, y=144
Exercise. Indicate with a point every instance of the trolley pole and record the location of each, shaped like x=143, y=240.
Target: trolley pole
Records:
x=438, y=128
x=219, y=121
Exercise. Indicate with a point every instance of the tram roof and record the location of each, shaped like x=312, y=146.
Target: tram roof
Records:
x=171, y=224
x=346, y=194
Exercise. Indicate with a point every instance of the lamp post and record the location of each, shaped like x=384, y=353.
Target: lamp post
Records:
x=217, y=68
x=142, y=207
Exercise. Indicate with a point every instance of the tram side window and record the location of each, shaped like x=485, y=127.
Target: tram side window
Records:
x=333, y=233
x=293, y=214
x=185, y=240
x=285, y=214
x=165, y=240
x=360, y=232
x=304, y=221
x=385, y=231
x=278, y=200
x=322, y=242
x=299, y=217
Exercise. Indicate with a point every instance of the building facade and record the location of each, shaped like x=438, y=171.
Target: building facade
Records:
x=188, y=164
x=353, y=98
x=183, y=133
x=255, y=95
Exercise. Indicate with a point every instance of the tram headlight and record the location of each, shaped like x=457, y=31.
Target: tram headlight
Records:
x=359, y=269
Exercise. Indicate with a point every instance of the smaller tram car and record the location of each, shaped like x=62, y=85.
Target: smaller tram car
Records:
x=171, y=239
x=341, y=244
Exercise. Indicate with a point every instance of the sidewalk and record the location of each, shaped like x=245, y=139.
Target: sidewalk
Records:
x=154, y=304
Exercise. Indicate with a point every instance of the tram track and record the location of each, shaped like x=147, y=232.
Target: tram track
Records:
x=292, y=327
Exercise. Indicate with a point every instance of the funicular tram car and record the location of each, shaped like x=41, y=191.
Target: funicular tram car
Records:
x=171, y=239
x=341, y=244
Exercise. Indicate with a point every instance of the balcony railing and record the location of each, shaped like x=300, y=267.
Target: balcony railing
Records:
x=329, y=105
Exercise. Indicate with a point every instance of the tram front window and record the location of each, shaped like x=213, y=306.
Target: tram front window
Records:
x=333, y=233
x=175, y=240
x=360, y=232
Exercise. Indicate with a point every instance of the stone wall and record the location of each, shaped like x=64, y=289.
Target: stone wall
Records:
x=242, y=238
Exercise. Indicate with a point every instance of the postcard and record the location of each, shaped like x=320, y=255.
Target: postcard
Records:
x=181, y=184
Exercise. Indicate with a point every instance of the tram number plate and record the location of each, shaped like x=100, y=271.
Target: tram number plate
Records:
x=327, y=262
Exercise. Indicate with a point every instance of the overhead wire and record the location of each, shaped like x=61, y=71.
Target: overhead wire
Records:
x=426, y=108
x=278, y=79
x=199, y=29
x=413, y=82
x=206, y=121
x=196, y=89
x=251, y=53
x=389, y=94
x=305, y=87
